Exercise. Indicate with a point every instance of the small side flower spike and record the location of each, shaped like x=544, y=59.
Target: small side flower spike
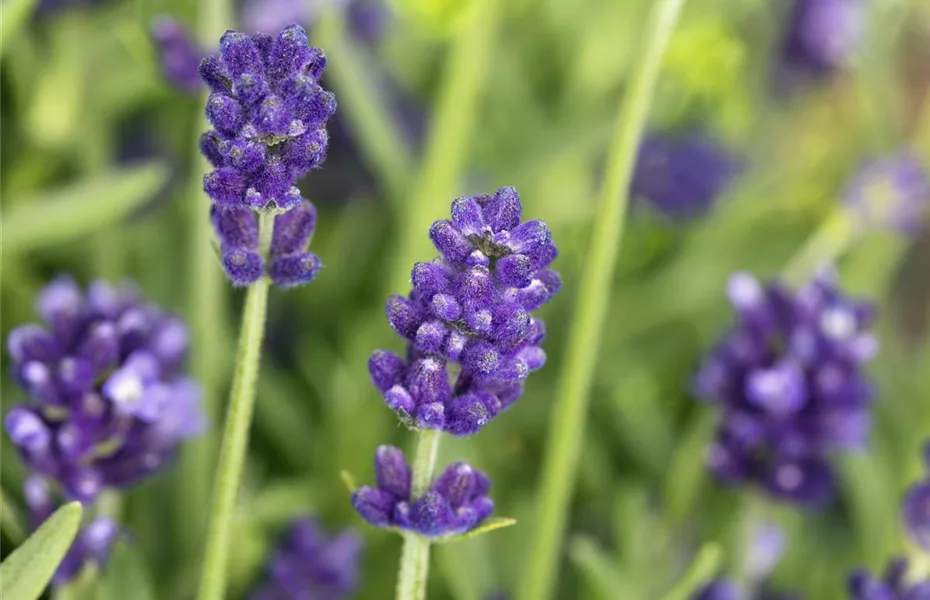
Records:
x=455, y=504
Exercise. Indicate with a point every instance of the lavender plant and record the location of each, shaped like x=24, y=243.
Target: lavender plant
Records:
x=109, y=403
x=269, y=115
x=469, y=310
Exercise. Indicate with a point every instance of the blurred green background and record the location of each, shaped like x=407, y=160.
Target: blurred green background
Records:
x=101, y=178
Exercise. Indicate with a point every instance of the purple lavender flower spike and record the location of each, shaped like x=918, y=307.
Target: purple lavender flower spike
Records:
x=309, y=563
x=789, y=383
x=893, y=585
x=682, y=175
x=269, y=117
x=456, y=503
x=178, y=55
x=893, y=192
x=471, y=307
x=108, y=400
x=269, y=96
x=916, y=508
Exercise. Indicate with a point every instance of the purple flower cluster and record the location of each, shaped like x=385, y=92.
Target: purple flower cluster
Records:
x=92, y=544
x=789, y=383
x=893, y=192
x=108, y=399
x=289, y=264
x=822, y=35
x=682, y=175
x=312, y=565
x=472, y=307
x=894, y=585
x=916, y=508
x=269, y=115
x=178, y=55
x=456, y=503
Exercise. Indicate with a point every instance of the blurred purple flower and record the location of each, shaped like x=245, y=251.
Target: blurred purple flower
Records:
x=894, y=584
x=309, y=564
x=893, y=192
x=109, y=402
x=822, y=35
x=456, y=503
x=789, y=384
x=473, y=308
x=916, y=508
x=178, y=54
x=682, y=175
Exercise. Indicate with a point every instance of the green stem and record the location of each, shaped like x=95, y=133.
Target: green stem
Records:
x=449, y=141
x=830, y=240
x=700, y=572
x=566, y=428
x=362, y=103
x=208, y=315
x=236, y=431
x=414, y=559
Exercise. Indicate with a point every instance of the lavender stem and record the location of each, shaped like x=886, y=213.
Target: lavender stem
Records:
x=414, y=560
x=236, y=432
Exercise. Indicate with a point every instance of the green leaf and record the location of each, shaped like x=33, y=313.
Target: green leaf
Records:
x=686, y=472
x=486, y=527
x=349, y=480
x=11, y=520
x=701, y=570
x=126, y=576
x=603, y=574
x=15, y=14
x=26, y=572
x=80, y=209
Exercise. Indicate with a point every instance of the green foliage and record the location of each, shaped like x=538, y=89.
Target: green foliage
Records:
x=513, y=93
x=80, y=209
x=26, y=572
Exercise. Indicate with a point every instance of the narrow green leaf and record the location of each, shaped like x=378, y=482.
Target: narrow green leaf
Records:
x=701, y=571
x=15, y=14
x=686, y=471
x=10, y=520
x=80, y=209
x=486, y=527
x=602, y=572
x=26, y=572
x=349, y=480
